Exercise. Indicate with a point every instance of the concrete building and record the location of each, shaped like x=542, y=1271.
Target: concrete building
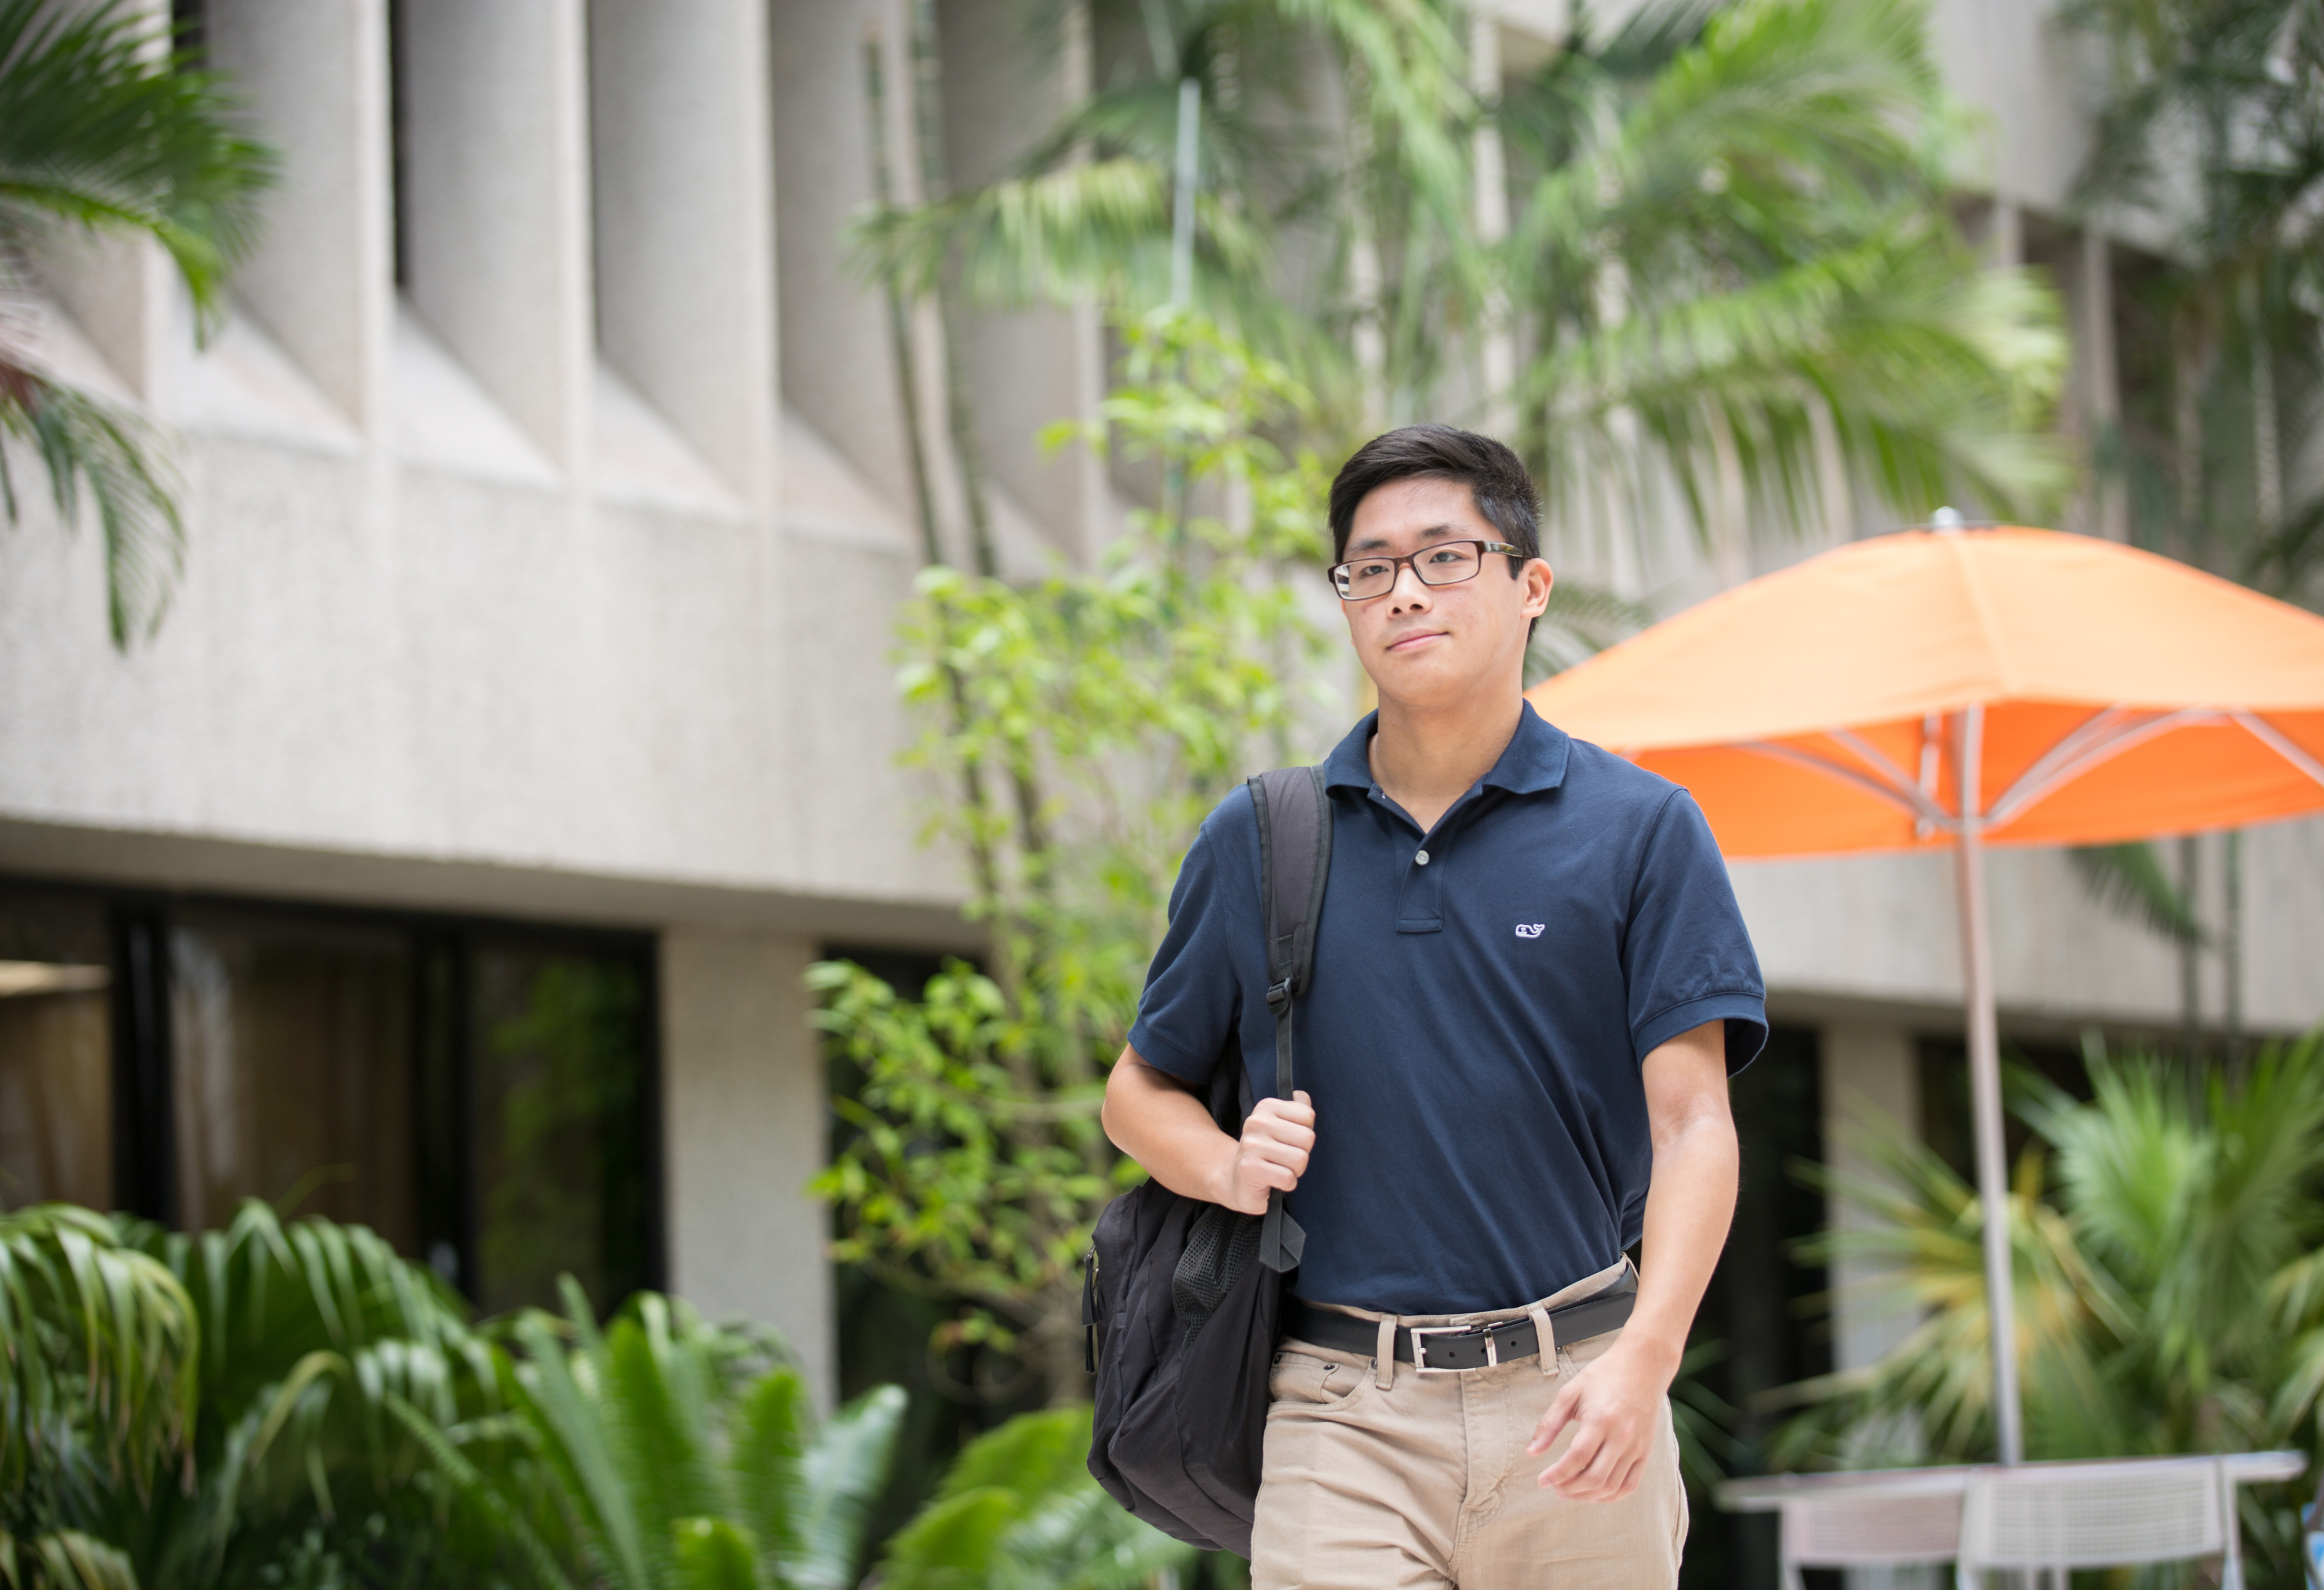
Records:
x=522, y=726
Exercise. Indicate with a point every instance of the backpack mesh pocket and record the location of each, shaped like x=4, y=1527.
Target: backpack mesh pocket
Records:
x=1219, y=1246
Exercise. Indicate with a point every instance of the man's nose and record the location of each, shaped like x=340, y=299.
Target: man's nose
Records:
x=1409, y=589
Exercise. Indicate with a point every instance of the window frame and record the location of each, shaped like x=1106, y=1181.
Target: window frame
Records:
x=443, y=947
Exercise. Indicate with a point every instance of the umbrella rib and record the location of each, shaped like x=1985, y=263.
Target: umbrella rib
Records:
x=2072, y=743
x=2061, y=766
x=1873, y=757
x=2281, y=744
x=1907, y=799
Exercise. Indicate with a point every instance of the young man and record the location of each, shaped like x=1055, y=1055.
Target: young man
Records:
x=1531, y=982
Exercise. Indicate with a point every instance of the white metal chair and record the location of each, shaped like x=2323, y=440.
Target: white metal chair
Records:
x=2066, y=1516
x=1836, y=1529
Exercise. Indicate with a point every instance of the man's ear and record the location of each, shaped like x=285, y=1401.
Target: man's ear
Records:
x=1538, y=578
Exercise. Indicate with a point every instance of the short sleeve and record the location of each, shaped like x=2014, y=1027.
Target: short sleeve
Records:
x=1687, y=958
x=1192, y=998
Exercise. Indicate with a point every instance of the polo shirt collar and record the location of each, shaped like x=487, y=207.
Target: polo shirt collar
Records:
x=1534, y=759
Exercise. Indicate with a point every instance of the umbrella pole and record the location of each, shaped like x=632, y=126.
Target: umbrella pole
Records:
x=1984, y=1089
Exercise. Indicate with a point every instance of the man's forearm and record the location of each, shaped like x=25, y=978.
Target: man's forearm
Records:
x=1689, y=1205
x=1165, y=1128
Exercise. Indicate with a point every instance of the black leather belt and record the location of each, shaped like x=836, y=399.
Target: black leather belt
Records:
x=1437, y=1349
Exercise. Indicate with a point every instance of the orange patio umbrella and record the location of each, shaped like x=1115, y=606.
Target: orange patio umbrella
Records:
x=2077, y=692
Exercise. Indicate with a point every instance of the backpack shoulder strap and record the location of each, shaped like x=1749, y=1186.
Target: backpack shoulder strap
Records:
x=1295, y=855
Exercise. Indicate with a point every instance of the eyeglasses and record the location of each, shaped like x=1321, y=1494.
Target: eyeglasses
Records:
x=1444, y=563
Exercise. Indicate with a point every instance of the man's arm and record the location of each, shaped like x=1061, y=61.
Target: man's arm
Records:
x=1614, y=1403
x=1152, y=1118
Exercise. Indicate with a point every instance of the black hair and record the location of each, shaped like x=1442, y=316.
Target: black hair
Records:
x=1496, y=479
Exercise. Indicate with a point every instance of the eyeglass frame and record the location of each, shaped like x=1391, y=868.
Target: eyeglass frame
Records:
x=1484, y=550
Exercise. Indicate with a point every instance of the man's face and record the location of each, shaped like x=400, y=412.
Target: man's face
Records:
x=1431, y=645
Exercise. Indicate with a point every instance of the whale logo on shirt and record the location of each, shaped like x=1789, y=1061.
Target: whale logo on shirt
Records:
x=1530, y=929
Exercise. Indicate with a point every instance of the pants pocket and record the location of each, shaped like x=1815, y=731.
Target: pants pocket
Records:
x=1304, y=1380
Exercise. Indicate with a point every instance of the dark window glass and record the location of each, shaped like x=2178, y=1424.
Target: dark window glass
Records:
x=1758, y=1308
x=559, y=1091
x=1947, y=1123
x=56, y=1051
x=484, y=1097
x=292, y=1046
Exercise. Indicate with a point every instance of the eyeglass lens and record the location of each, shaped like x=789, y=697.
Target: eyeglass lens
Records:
x=1438, y=566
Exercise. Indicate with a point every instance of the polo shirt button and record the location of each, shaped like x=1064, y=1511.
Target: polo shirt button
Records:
x=1422, y=858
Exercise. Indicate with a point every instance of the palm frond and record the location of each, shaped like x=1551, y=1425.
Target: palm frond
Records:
x=829, y=1494
x=2128, y=880
x=715, y=1554
x=1019, y=1509
x=63, y=1560
x=582, y=1452
x=1933, y=374
x=102, y=130
x=1580, y=621
x=2170, y=1299
x=98, y=1338
x=88, y=446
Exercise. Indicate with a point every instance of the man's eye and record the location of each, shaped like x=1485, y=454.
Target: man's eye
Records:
x=1369, y=570
x=1449, y=555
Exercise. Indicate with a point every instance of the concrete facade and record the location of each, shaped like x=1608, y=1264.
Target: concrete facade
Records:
x=549, y=507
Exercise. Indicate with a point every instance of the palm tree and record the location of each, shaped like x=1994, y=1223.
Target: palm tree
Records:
x=1729, y=250
x=1737, y=266
x=2170, y=1285
x=104, y=129
x=2215, y=128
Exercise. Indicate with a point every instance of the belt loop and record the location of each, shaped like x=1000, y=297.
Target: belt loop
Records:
x=1544, y=1338
x=1384, y=1363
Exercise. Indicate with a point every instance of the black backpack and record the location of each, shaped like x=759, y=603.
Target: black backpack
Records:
x=1181, y=1322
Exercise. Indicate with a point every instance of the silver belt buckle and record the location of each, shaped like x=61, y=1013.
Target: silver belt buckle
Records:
x=1420, y=1333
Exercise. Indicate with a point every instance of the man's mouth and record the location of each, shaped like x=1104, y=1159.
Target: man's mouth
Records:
x=1415, y=640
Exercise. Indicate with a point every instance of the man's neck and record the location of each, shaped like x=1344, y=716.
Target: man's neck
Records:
x=1426, y=759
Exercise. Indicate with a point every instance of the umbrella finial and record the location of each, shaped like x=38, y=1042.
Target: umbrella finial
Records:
x=1945, y=519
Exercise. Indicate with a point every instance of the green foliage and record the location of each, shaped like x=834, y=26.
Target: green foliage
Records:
x=102, y=132
x=1088, y=721
x=1730, y=248
x=1019, y=1511
x=289, y=1406
x=1089, y=209
x=101, y=1347
x=672, y=1455
x=184, y=1409
x=1738, y=237
x=2170, y=1294
x=2129, y=881
x=99, y=1350
x=2215, y=129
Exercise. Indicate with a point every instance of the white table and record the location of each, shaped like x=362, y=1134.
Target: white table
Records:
x=1886, y=1517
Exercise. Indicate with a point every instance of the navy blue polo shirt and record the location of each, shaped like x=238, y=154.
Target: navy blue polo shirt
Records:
x=1482, y=999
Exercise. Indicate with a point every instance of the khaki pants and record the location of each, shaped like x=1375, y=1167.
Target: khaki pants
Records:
x=1424, y=1482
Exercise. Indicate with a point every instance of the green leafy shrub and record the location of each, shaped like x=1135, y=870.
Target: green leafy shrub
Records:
x=2169, y=1241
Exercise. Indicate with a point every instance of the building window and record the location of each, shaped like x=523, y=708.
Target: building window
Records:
x=56, y=1050
x=481, y=1095
x=558, y=1089
x=290, y=1069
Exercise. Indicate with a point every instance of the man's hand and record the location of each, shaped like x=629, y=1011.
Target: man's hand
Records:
x=1614, y=1405
x=1271, y=1155
x=1157, y=1121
